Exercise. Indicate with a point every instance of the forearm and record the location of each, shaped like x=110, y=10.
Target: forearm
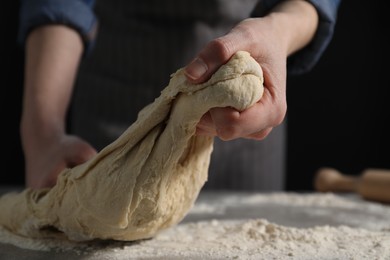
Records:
x=297, y=22
x=52, y=57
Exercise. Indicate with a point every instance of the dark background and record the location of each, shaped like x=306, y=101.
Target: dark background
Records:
x=337, y=114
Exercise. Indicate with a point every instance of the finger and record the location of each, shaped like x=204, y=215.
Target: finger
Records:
x=231, y=124
x=226, y=122
x=261, y=135
x=206, y=126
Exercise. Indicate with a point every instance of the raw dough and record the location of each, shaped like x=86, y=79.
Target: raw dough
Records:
x=147, y=179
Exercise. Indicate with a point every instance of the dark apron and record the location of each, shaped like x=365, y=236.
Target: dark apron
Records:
x=139, y=45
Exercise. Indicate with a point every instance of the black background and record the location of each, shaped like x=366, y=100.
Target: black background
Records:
x=337, y=114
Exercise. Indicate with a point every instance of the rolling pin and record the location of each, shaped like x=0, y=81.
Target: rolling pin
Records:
x=371, y=184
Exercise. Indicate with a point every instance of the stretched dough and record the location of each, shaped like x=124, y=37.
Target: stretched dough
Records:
x=147, y=179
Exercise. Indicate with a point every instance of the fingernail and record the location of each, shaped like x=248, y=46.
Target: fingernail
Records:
x=196, y=69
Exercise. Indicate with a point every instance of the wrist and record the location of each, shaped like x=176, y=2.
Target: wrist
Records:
x=297, y=22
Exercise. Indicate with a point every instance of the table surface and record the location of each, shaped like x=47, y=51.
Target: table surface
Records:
x=282, y=208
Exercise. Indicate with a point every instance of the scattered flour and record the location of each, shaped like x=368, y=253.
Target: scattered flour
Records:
x=248, y=238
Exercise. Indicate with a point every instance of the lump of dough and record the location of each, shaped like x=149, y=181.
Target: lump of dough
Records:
x=146, y=180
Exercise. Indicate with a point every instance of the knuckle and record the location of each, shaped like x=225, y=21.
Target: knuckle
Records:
x=260, y=136
x=222, y=48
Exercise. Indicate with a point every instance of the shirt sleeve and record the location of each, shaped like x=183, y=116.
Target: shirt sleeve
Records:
x=305, y=59
x=77, y=14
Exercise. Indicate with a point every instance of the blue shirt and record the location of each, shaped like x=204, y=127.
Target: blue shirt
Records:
x=79, y=15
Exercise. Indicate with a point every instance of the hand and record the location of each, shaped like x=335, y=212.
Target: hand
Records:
x=269, y=40
x=46, y=159
x=257, y=121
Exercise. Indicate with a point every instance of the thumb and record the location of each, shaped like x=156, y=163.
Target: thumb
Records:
x=211, y=57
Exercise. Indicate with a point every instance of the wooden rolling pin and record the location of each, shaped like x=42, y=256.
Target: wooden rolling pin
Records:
x=371, y=184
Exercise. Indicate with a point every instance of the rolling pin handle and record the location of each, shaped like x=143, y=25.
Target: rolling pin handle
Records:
x=331, y=180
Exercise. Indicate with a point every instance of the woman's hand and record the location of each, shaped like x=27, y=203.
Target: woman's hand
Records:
x=47, y=156
x=270, y=40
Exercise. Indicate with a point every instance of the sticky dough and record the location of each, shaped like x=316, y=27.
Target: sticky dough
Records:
x=146, y=180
